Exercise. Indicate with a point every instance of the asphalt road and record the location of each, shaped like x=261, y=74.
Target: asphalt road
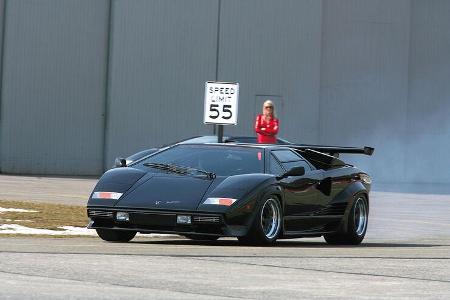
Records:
x=406, y=255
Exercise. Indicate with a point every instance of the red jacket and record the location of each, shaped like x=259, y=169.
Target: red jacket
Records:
x=266, y=131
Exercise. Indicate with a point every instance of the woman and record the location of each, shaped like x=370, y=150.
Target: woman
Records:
x=266, y=125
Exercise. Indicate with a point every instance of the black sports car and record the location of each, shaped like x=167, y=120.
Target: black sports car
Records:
x=257, y=193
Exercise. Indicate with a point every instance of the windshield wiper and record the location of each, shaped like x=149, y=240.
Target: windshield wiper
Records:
x=210, y=175
x=167, y=167
x=179, y=169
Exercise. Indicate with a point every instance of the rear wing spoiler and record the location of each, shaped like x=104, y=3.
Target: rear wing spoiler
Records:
x=334, y=150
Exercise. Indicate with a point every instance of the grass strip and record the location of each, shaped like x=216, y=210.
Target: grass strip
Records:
x=49, y=216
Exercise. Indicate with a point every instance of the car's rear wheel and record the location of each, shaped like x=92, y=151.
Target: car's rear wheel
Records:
x=358, y=219
x=267, y=224
x=201, y=237
x=112, y=235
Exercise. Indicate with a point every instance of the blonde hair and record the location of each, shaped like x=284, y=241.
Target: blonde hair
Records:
x=270, y=103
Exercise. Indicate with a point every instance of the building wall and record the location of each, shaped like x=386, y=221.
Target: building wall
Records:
x=428, y=124
x=85, y=81
x=162, y=53
x=2, y=20
x=53, y=86
x=364, y=80
x=272, y=48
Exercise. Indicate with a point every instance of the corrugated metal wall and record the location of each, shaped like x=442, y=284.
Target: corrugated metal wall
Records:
x=53, y=87
x=428, y=124
x=364, y=80
x=85, y=81
x=162, y=52
x=272, y=48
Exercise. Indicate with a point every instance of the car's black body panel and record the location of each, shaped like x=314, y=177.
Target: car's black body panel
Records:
x=119, y=179
x=313, y=204
x=166, y=190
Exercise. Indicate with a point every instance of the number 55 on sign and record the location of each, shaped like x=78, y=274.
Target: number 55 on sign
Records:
x=221, y=103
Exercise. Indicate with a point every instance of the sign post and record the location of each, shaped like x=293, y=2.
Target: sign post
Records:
x=221, y=105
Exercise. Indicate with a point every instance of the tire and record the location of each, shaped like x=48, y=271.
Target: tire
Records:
x=358, y=219
x=111, y=235
x=266, y=226
x=200, y=237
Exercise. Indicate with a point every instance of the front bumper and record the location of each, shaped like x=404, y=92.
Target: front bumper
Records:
x=154, y=221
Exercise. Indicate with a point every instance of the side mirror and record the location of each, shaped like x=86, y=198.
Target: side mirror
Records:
x=120, y=162
x=295, y=171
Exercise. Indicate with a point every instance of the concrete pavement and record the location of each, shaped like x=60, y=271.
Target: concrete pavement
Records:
x=174, y=268
x=61, y=190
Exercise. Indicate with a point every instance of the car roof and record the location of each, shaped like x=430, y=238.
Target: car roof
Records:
x=245, y=145
x=226, y=139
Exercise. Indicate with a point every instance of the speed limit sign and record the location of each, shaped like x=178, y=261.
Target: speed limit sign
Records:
x=221, y=103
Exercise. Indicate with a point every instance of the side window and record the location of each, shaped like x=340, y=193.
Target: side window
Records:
x=274, y=167
x=290, y=159
x=285, y=155
x=299, y=163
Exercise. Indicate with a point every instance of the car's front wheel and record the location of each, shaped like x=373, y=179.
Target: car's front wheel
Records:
x=267, y=224
x=112, y=235
x=358, y=219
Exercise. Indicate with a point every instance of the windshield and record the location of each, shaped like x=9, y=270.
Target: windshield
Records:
x=222, y=161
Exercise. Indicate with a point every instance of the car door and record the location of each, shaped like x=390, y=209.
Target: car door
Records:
x=303, y=195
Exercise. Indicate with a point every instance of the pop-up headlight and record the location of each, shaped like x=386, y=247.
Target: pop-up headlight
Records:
x=220, y=201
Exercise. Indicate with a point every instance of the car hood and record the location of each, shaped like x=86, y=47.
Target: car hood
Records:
x=166, y=191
